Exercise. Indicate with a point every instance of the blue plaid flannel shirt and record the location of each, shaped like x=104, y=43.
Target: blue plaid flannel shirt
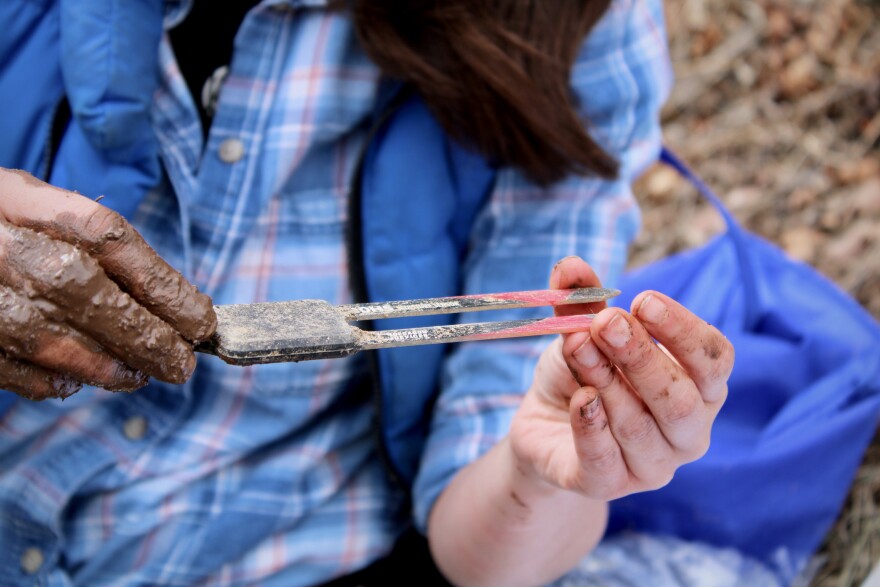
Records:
x=270, y=475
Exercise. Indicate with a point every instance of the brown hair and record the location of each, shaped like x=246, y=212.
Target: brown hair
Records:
x=495, y=73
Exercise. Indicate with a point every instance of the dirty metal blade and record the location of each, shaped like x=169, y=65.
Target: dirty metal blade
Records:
x=473, y=303
x=378, y=339
x=302, y=330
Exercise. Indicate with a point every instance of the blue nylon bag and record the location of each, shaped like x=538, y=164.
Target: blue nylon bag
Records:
x=803, y=402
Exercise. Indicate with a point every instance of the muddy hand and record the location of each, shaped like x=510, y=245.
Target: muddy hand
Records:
x=84, y=299
x=611, y=412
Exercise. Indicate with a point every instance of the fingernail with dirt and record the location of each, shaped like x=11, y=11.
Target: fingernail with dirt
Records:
x=591, y=409
x=617, y=332
x=653, y=310
x=126, y=379
x=65, y=387
x=587, y=355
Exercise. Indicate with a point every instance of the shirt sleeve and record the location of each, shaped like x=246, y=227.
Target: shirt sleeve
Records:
x=622, y=77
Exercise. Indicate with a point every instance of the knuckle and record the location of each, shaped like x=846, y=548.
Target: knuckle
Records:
x=694, y=450
x=103, y=228
x=663, y=478
x=601, y=376
x=721, y=396
x=683, y=328
x=636, y=430
x=720, y=351
x=659, y=477
x=700, y=449
x=604, y=460
x=99, y=370
x=68, y=268
x=642, y=358
x=16, y=311
x=728, y=355
x=614, y=488
x=619, y=486
x=718, y=372
x=681, y=408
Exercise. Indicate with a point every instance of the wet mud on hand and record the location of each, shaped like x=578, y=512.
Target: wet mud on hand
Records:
x=48, y=270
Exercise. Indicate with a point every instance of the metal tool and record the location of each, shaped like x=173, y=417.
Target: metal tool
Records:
x=301, y=330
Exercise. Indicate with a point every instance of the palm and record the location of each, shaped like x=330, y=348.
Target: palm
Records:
x=541, y=435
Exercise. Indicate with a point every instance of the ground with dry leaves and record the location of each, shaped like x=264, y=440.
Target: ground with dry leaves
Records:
x=777, y=105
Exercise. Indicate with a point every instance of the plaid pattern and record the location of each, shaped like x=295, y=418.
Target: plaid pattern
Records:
x=269, y=475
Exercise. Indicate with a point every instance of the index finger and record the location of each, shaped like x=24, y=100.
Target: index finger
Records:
x=115, y=244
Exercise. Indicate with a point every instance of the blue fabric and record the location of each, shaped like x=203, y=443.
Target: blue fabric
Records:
x=803, y=402
x=415, y=250
x=109, y=148
x=30, y=82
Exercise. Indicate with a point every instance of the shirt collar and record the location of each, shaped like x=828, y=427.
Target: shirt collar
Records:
x=176, y=10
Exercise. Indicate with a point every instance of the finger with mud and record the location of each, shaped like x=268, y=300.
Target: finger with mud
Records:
x=90, y=302
x=27, y=335
x=118, y=247
x=32, y=382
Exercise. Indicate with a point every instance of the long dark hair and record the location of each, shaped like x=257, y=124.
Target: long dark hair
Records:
x=495, y=73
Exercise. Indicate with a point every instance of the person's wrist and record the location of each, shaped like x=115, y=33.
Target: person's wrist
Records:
x=532, y=495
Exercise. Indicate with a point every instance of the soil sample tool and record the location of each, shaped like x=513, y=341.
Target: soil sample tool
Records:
x=301, y=330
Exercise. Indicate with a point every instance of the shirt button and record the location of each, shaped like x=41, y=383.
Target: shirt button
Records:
x=135, y=428
x=231, y=151
x=31, y=560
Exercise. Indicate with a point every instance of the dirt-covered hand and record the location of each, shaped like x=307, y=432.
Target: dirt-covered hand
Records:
x=611, y=412
x=84, y=299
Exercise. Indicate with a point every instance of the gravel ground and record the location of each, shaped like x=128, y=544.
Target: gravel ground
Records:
x=777, y=105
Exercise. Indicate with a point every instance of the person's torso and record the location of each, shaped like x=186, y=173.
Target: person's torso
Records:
x=246, y=475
